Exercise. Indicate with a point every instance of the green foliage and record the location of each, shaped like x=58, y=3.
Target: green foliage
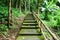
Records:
x=5, y=33
x=3, y=18
x=3, y=27
x=11, y=27
x=49, y=12
x=15, y=12
x=58, y=32
x=52, y=14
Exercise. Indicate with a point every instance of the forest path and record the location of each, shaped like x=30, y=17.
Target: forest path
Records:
x=30, y=29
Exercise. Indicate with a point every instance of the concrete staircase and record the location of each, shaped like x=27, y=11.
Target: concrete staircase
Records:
x=30, y=29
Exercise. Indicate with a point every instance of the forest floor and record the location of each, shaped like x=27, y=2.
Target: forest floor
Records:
x=13, y=32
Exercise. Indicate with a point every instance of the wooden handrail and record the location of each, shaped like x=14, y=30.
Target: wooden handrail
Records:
x=41, y=28
x=50, y=32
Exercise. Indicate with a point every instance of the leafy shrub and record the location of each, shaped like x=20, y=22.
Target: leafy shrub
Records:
x=3, y=27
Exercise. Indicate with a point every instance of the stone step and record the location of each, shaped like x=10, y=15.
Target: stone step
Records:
x=31, y=37
x=30, y=17
x=29, y=31
x=30, y=24
x=30, y=21
x=29, y=27
x=29, y=34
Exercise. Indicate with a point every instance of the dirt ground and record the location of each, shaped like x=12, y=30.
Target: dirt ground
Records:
x=12, y=33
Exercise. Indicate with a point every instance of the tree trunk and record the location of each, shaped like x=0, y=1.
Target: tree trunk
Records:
x=25, y=5
x=17, y=4
x=38, y=6
x=29, y=5
x=20, y=5
x=9, y=12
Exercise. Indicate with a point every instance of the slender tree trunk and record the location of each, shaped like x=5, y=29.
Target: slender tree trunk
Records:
x=38, y=6
x=9, y=12
x=17, y=3
x=29, y=5
x=20, y=5
x=25, y=5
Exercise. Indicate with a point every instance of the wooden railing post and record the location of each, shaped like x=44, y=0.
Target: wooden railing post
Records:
x=41, y=30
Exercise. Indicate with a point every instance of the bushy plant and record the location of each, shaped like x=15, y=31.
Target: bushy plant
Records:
x=52, y=14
